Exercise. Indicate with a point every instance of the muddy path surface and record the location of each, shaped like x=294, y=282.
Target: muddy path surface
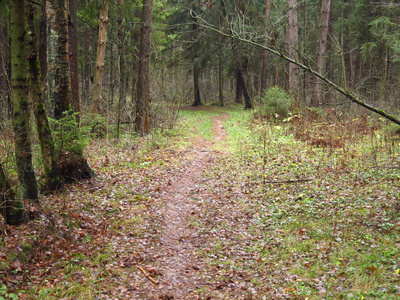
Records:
x=172, y=267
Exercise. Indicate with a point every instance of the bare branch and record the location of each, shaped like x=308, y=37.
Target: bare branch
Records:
x=341, y=90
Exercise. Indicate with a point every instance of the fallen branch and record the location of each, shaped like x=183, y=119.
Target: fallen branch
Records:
x=147, y=275
x=289, y=181
x=341, y=90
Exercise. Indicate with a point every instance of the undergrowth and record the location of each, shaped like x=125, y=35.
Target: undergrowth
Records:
x=324, y=197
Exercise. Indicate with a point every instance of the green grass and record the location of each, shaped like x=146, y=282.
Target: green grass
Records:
x=336, y=232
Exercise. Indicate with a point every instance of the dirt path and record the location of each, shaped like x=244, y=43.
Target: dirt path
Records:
x=176, y=262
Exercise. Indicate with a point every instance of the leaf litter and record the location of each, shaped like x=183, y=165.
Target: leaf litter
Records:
x=205, y=222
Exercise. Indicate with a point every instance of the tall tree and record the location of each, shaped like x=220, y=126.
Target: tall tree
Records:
x=321, y=49
x=292, y=43
x=346, y=45
x=51, y=169
x=3, y=77
x=28, y=188
x=142, y=122
x=62, y=89
x=264, y=73
x=121, y=57
x=72, y=165
x=73, y=55
x=100, y=59
x=196, y=61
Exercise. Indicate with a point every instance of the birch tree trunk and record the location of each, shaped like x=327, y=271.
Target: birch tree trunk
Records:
x=142, y=122
x=322, y=45
x=100, y=60
x=28, y=188
x=293, y=46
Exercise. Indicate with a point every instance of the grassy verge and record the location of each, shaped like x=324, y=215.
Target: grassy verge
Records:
x=322, y=222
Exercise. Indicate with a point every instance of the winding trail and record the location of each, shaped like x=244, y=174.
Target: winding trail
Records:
x=176, y=254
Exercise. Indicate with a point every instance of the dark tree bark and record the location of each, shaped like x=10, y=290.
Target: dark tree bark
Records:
x=73, y=166
x=51, y=169
x=239, y=87
x=43, y=43
x=196, y=66
x=62, y=89
x=28, y=188
x=73, y=56
x=196, y=85
x=3, y=79
x=242, y=83
x=11, y=208
x=220, y=80
x=142, y=122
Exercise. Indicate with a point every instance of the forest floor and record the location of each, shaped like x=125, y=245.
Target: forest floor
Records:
x=224, y=208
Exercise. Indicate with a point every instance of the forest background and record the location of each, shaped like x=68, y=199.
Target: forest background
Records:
x=74, y=71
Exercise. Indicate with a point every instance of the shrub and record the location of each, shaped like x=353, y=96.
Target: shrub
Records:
x=67, y=135
x=276, y=103
x=94, y=125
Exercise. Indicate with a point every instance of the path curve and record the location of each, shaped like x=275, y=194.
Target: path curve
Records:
x=179, y=241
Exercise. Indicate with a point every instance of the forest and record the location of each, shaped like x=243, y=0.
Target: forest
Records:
x=199, y=149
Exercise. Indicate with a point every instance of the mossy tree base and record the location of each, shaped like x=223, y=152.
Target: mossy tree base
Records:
x=74, y=167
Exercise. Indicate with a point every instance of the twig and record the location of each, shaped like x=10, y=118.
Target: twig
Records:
x=147, y=275
x=289, y=181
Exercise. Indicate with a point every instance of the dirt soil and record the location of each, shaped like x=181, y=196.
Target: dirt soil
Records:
x=175, y=272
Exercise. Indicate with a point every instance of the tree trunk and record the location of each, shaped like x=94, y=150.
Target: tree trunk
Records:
x=101, y=55
x=51, y=170
x=346, y=46
x=73, y=166
x=196, y=85
x=122, y=76
x=43, y=49
x=196, y=66
x=28, y=188
x=142, y=122
x=242, y=83
x=62, y=89
x=322, y=44
x=3, y=79
x=220, y=80
x=292, y=42
x=87, y=69
x=11, y=208
x=264, y=73
x=73, y=56
x=239, y=87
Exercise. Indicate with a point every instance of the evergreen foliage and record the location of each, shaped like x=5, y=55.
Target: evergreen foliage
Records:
x=276, y=103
